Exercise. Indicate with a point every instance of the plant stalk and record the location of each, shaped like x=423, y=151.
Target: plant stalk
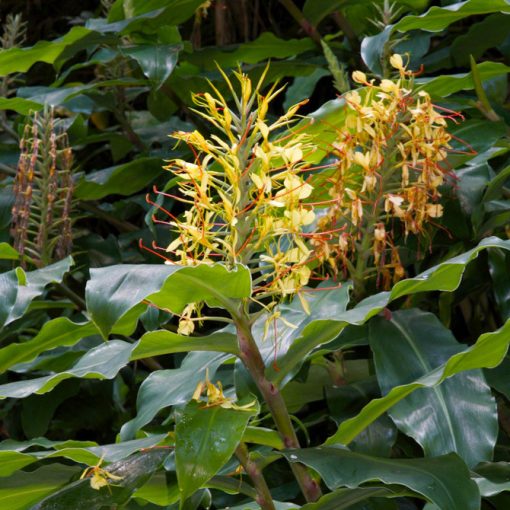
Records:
x=264, y=498
x=252, y=360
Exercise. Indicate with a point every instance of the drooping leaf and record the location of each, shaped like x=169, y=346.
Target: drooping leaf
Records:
x=55, y=333
x=157, y=343
x=112, y=291
x=444, y=277
x=24, y=489
x=438, y=18
x=133, y=472
x=442, y=480
x=411, y=345
x=123, y=179
x=165, y=388
x=14, y=455
x=102, y=362
x=206, y=438
x=156, y=61
x=488, y=352
x=18, y=288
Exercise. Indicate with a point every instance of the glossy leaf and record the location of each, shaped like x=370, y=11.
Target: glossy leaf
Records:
x=165, y=388
x=157, y=343
x=438, y=18
x=102, y=362
x=18, y=288
x=411, y=345
x=445, y=277
x=112, y=291
x=156, y=61
x=123, y=179
x=442, y=480
x=134, y=472
x=24, y=489
x=488, y=352
x=55, y=333
x=206, y=438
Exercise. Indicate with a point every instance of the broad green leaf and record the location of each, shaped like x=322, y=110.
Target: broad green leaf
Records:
x=156, y=61
x=438, y=18
x=157, y=343
x=24, y=489
x=266, y=46
x=488, y=33
x=444, y=277
x=320, y=127
x=13, y=456
x=302, y=87
x=411, y=345
x=7, y=252
x=488, y=352
x=18, y=288
x=498, y=377
x=161, y=489
x=102, y=362
x=134, y=472
x=148, y=16
x=181, y=9
x=112, y=291
x=492, y=478
x=19, y=105
x=442, y=480
x=55, y=333
x=123, y=179
x=206, y=438
x=20, y=60
x=341, y=499
x=442, y=86
x=165, y=388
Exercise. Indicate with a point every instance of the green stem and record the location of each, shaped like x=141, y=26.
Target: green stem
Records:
x=252, y=360
x=264, y=498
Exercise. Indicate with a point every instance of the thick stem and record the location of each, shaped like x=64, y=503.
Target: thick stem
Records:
x=264, y=498
x=252, y=360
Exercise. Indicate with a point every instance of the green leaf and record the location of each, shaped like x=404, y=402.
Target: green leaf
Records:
x=20, y=60
x=488, y=352
x=55, y=333
x=134, y=472
x=489, y=33
x=156, y=61
x=157, y=343
x=112, y=291
x=499, y=262
x=442, y=86
x=444, y=277
x=492, y=478
x=17, y=297
x=165, y=388
x=124, y=179
x=442, y=480
x=266, y=46
x=159, y=490
x=19, y=105
x=22, y=490
x=438, y=18
x=102, y=362
x=206, y=438
x=341, y=499
x=411, y=345
x=12, y=459
x=7, y=252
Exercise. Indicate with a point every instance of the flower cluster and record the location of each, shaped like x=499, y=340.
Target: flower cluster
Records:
x=390, y=164
x=243, y=193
